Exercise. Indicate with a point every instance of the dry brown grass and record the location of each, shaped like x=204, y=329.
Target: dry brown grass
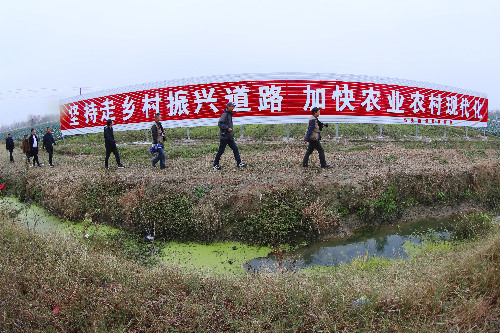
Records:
x=56, y=283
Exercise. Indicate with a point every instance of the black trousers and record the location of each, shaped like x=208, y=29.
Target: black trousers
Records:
x=113, y=150
x=34, y=153
x=312, y=146
x=222, y=146
x=50, y=150
x=11, y=157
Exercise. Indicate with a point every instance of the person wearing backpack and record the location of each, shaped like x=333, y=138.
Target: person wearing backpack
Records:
x=313, y=137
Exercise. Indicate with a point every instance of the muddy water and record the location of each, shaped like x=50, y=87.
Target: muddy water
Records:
x=386, y=242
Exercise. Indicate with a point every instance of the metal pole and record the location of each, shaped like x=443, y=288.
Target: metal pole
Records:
x=445, y=131
x=147, y=139
x=484, y=131
x=241, y=131
x=336, y=130
x=188, y=134
x=416, y=130
x=287, y=131
x=64, y=141
x=467, y=132
x=380, y=129
x=85, y=138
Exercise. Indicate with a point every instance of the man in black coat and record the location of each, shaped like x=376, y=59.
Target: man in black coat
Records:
x=9, y=145
x=110, y=144
x=226, y=136
x=48, y=141
x=33, y=141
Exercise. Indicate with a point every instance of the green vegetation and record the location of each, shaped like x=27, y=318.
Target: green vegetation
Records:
x=52, y=282
x=115, y=282
x=279, y=220
x=40, y=130
x=472, y=226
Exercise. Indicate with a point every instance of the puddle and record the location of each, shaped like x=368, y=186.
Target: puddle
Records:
x=386, y=242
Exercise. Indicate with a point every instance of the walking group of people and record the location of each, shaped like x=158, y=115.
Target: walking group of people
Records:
x=226, y=137
x=30, y=146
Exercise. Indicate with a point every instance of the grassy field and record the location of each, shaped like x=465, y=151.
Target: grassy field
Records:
x=274, y=201
x=40, y=130
x=52, y=282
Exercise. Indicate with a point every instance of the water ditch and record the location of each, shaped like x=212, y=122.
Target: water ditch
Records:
x=385, y=242
x=232, y=257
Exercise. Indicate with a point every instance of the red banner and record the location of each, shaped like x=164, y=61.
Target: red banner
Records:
x=275, y=98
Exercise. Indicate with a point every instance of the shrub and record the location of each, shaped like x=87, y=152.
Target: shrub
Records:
x=384, y=209
x=471, y=226
x=280, y=220
x=169, y=216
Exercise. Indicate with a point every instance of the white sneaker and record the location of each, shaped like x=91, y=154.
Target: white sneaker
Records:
x=242, y=165
x=217, y=167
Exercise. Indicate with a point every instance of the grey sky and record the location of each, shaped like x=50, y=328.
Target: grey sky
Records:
x=51, y=48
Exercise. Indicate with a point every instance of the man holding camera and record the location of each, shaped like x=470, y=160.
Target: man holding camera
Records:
x=313, y=136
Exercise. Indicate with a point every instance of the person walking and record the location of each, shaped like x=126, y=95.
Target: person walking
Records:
x=48, y=141
x=26, y=148
x=313, y=137
x=158, y=135
x=226, y=137
x=33, y=141
x=110, y=144
x=9, y=145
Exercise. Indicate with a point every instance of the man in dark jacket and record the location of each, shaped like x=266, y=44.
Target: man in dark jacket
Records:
x=9, y=145
x=313, y=136
x=110, y=144
x=48, y=141
x=226, y=136
x=26, y=148
x=33, y=141
x=158, y=135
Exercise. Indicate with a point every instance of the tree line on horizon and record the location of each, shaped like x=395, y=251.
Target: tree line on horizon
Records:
x=31, y=120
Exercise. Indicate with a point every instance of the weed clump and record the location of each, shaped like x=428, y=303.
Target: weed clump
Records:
x=280, y=220
x=471, y=226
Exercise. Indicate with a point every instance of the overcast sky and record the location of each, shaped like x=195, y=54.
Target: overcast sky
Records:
x=50, y=48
